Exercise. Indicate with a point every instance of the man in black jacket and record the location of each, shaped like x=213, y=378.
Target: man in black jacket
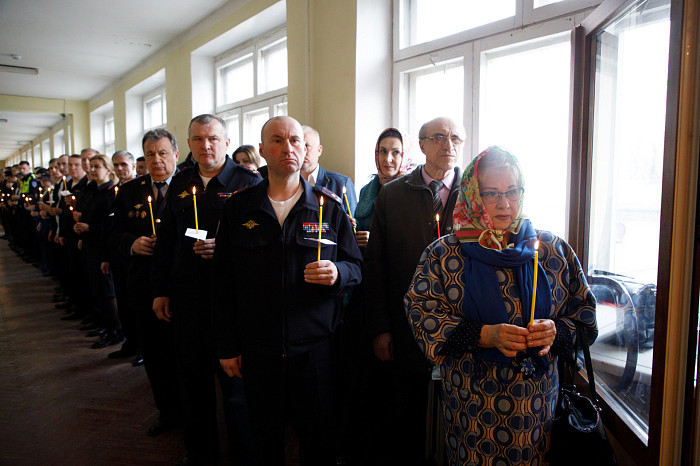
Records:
x=403, y=225
x=276, y=304
x=182, y=280
x=133, y=239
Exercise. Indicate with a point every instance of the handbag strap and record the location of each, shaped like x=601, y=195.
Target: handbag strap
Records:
x=582, y=340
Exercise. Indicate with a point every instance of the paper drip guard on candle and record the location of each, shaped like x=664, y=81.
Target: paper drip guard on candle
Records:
x=195, y=232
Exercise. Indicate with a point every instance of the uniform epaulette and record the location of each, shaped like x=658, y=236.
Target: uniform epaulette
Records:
x=255, y=172
x=329, y=193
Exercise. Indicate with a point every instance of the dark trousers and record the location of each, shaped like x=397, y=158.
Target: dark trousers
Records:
x=159, y=361
x=197, y=368
x=401, y=403
x=294, y=390
x=128, y=316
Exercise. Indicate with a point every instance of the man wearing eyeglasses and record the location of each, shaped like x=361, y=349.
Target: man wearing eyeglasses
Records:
x=403, y=225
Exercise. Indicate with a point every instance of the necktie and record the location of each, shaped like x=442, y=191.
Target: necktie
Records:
x=159, y=199
x=435, y=186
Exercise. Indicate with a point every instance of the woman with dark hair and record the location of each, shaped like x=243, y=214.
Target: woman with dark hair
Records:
x=392, y=158
x=247, y=155
x=469, y=306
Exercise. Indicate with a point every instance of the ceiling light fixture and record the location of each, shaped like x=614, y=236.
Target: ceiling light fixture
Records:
x=19, y=69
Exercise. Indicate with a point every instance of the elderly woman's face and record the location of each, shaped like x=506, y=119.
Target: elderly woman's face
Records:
x=389, y=152
x=494, y=183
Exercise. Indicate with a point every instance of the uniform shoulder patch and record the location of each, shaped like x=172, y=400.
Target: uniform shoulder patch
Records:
x=247, y=168
x=327, y=192
x=183, y=194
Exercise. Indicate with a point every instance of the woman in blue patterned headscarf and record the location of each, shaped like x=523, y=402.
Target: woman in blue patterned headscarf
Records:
x=469, y=307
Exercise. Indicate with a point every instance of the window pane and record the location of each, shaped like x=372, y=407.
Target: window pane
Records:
x=530, y=117
x=237, y=80
x=234, y=134
x=58, y=144
x=433, y=92
x=432, y=19
x=281, y=109
x=539, y=3
x=109, y=130
x=272, y=67
x=627, y=162
x=45, y=153
x=153, y=112
x=253, y=122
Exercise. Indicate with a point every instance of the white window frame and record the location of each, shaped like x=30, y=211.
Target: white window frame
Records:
x=525, y=15
x=254, y=46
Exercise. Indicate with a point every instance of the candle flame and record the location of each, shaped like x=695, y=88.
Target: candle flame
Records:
x=149, y=199
x=116, y=189
x=537, y=244
x=321, y=201
x=344, y=190
x=194, y=190
x=71, y=208
x=437, y=217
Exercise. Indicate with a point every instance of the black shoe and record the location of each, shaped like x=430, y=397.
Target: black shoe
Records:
x=98, y=332
x=108, y=338
x=138, y=361
x=158, y=428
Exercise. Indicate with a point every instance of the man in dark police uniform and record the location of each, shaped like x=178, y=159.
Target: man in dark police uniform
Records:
x=182, y=281
x=276, y=305
x=133, y=239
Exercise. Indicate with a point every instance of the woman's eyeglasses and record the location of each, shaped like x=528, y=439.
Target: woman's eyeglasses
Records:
x=492, y=197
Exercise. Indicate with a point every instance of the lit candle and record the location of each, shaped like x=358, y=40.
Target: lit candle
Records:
x=65, y=185
x=320, y=225
x=345, y=195
x=150, y=209
x=194, y=200
x=116, y=191
x=534, y=285
x=437, y=222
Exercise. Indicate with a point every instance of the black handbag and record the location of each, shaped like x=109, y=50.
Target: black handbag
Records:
x=578, y=434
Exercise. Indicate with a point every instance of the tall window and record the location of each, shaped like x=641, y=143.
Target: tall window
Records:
x=59, y=143
x=154, y=110
x=627, y=164
x=506, y=80
x=530, y=117
x=109, y=135
x=45, y=152
x=429, y=92
x=251, y=85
